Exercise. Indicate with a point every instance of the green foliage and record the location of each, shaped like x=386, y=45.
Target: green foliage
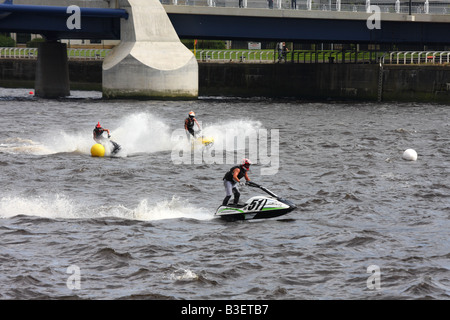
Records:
x=34, y=42
x=204, y=44
x=6, y=41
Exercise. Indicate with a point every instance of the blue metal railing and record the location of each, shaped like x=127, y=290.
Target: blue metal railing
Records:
x=8, y=7
x=402, y=7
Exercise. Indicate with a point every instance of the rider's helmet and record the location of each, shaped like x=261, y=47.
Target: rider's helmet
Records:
x=191, y=114
x=246, y=164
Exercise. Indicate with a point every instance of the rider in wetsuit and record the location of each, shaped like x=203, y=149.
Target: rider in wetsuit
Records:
x=189, y=124
x=232, y=178
x=98, y=137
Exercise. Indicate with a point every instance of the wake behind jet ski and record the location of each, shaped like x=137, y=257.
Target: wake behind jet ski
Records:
x=257, y=207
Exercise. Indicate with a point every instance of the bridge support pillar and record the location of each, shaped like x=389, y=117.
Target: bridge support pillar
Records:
x=150, y=62
x=52, y=71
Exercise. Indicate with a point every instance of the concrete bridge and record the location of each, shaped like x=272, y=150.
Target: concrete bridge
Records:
x=150, y=61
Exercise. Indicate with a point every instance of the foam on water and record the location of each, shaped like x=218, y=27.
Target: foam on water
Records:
x=183, y=275
x=231, y=137
x=136, y=133
x=169, y=209
x=54, y=207
x=223, y=131
x=62, y=207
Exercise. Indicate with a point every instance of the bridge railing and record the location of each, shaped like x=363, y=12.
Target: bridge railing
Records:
x=235, y=55
x=324, y=56
x=417, y=57
x=264, y=56
x=87, y=54
x=18, y=53
x=295, y=56
x=72, y=53
x=334, y=56
x=393, y=6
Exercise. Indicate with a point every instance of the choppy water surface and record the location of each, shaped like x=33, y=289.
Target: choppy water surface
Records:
x=141, y=226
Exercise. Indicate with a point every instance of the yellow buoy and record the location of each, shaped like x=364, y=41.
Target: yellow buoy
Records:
x=98, y=150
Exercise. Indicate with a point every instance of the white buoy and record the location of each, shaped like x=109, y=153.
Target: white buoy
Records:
x=410, y=155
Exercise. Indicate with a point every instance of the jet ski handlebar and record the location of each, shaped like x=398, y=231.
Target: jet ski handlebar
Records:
x=255, y=185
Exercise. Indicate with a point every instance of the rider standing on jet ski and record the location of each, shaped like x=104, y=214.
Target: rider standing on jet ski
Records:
x=232, y=178
x=189, y=124
x=98, y=136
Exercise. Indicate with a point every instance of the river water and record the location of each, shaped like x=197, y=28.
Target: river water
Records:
x=141, y=225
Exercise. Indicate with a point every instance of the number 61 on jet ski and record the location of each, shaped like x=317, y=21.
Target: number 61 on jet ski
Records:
x=257, y=207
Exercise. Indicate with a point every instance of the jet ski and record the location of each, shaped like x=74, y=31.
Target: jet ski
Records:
x=206, y=141
x=257, y=207
x=116, y=147
x=202, y=142
x=110, y=145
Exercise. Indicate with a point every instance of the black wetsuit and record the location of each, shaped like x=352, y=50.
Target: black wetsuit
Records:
x=229, y=175
x=98, y=133
x=228, y=179
x=189, y=122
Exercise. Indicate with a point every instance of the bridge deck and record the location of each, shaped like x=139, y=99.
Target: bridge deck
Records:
x=224, y=23
x=304, y=25
x=51, y=21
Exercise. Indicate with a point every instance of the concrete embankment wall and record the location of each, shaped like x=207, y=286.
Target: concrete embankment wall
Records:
x=416, y=83
x=83, y=75
x=309, y=81
x=426, y=83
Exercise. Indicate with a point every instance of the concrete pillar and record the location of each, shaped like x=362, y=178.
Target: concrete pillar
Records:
x=52, y=71
x=150, y=62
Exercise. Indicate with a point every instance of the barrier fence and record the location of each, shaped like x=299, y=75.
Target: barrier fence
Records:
x=265, y=56
x=72, y=53
x=417, y=57
x=324, y=56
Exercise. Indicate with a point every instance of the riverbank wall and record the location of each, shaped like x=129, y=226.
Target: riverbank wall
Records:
x=20, y=73
x=320, y=81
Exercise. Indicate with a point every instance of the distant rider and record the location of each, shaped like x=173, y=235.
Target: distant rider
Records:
x=189, y=124
x=234, y=177
x=98, y=137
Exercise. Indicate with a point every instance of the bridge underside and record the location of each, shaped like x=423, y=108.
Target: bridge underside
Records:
x=241, y=27
x=236, y=24
x=50, y=22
